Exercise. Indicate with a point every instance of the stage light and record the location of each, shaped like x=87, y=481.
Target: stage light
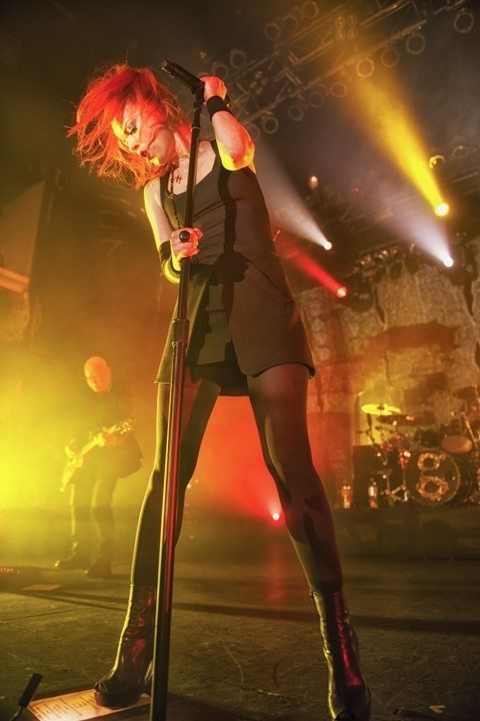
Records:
x=380, y=106
x=352, y=27
x=287, y=208
x=295, y=112
x=313, y=182
x=293, y=216
x=338, y=89
x=390, y=57
x=464, y=21
x=276, y=516
x=339, y=28
x=460, y=151
x=415, y=43
x=272, y=32
x=269, y=124
x=427, y=233
x=311, y=268
x=316, y=98
x=447, y=260
x=464, y=270
x=309, y=10
x=365, y=67
x=442, y=210
x=436, y=161
x=291, y=22
x=237, y=58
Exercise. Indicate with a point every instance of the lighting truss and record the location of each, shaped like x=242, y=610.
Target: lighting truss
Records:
x=313, y=47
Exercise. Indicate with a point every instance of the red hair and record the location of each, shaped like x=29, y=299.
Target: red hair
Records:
x=104, y=102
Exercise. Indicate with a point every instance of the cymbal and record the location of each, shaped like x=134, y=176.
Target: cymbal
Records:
x=380, y=409
x=404, y=419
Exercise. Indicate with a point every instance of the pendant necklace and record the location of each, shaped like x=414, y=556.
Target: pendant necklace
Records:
x=171, y=194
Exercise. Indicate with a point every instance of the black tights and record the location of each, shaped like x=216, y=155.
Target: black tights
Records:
x=278, y=398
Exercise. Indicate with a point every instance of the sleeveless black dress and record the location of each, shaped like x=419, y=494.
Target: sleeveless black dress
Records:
x=243, y=319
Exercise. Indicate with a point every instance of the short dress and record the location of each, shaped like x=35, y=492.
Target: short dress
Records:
x=243, y=318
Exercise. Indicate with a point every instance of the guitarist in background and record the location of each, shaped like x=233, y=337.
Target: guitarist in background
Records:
x=103, y=450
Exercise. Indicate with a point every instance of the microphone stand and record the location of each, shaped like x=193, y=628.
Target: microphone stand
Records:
x=163, y=616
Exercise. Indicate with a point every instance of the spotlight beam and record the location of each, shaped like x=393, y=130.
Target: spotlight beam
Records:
x=287, y=209
x=379, y=106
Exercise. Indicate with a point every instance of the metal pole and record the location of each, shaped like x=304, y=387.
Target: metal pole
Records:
x=163, y=616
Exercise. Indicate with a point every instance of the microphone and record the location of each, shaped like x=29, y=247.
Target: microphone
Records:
x=185, y=77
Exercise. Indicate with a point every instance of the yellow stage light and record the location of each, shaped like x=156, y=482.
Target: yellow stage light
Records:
x=379, y=108
x=442, y=209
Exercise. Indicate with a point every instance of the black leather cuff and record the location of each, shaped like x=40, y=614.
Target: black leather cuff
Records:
x=214, y=104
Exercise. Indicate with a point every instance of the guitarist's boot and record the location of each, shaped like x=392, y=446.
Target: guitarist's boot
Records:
x=124, y=684
x=99, y=569
x=76, y=559
x=71, y=562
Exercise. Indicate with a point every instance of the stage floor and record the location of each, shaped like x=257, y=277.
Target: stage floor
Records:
x=245, y=645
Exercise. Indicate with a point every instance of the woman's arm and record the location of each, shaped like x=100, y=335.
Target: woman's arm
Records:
x=171, y=249
x=235, y=145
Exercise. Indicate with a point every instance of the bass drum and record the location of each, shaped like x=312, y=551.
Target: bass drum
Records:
x=433, y=478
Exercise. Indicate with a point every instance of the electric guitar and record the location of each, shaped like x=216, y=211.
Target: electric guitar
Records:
x=76, y=460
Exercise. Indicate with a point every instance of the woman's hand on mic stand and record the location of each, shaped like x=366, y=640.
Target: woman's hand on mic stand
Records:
x=213, y=86
x=184, y=244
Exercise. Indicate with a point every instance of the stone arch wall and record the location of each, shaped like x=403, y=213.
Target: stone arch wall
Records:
x=414, y=348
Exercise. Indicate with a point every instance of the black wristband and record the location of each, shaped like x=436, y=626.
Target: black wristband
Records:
x=214, y=104
x=166, y=260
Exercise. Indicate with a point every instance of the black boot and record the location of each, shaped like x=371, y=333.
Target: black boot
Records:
x=124, y=684
x=348, y=693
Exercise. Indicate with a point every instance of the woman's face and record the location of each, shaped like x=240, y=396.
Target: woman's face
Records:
x=143, y=132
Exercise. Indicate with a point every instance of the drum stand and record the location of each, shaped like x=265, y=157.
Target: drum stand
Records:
x=400, y=493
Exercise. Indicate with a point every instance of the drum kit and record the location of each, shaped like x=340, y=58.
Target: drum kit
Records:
x=419, y=461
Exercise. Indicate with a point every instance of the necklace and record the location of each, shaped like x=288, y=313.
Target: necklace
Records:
x=171, y=195
x=171, y=181
x=176, y=175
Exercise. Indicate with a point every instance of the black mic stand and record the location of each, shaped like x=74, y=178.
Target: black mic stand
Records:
x=163, y=616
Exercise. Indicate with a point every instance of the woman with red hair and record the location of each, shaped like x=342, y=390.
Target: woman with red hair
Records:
x=246, y=337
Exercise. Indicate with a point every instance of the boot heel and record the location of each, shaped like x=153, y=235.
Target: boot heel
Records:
x=124, y=683
x=118, y=699
x=348, y=693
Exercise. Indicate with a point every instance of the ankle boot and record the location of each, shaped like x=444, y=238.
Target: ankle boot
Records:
x=348, y=693
x=124, y=684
